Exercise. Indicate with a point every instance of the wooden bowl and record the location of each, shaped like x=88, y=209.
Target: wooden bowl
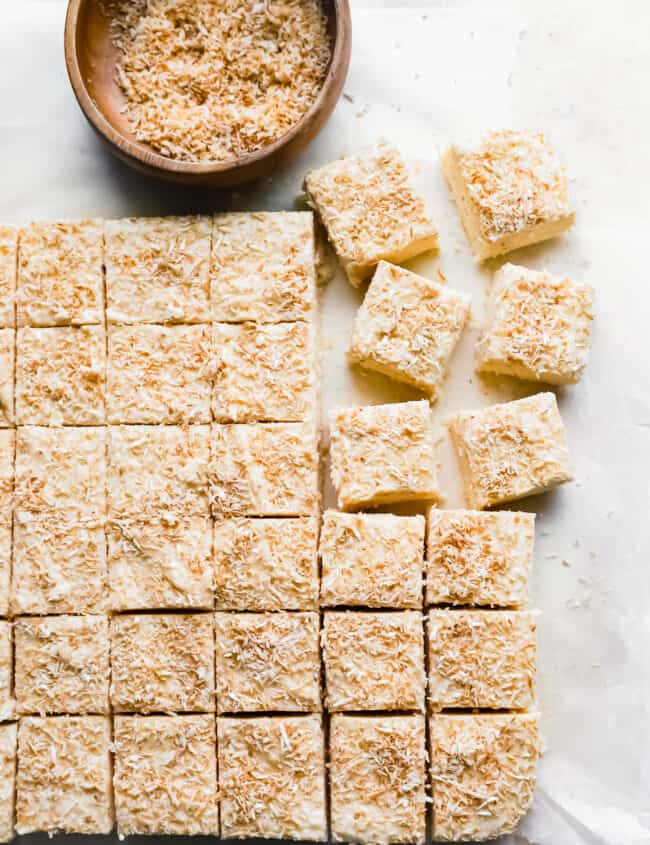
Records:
x=91, y=57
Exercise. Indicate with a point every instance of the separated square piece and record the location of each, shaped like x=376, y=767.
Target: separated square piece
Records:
x=159, y=374
x=264, y=373
x=266, y=564
x=371, y=560
x=162, y=663
x=479, y=558
x=370, y=210
x=158, y=468
x=160, y=562
x=408, y=327
x=62, y=664
x=157, y=270
x=538, y=327
x=482, y=658
x=7, y=360
x=64, y=775
x=8, y=259
x=373, y=661
x=272, y=777
x=382, y=453
x=511, y=450
x=60, y=376
x=264, y=469
x=60, y=277
x=267, y=661
x=61, y=469
x=482, y=773
x=262, y=267
x=511, y=191
x=5, y=564
x=7, y=455
x=166, y=775
x=7, y=703
x=377, y=779
x=7, y=781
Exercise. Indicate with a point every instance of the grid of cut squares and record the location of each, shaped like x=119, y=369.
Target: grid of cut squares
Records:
x=8, y=737
x=7, y=362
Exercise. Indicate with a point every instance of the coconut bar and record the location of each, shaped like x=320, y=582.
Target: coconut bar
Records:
x=7, y=703
x=8, y=260
x=7, y=359
x=7, y=781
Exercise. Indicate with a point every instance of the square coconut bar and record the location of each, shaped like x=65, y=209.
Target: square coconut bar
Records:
x=64, y=775
x=482, y=773
x=61, y=469
x=479, y=558
x=262, y=267
x=370, y=210
x=60, y=376
x=59, y=563
x=266, y=564
x=377, y=779
x=166, y=775
x=511, y=450
x=264, y=372
x=160, y=562
x=157, y=270
x=8, y=261
x=154, y=468
x=60, y=277
x=511, y=191
x=272, y=777
x=382, y=453
x=162, y=663
x=5, y=564
x=267, y=661
x=7, y=361
x=408, y=327
x=538, y=327
x=7, y=781
x=373, y=661
x=371, y=560
x=7, y=703
x=62, y=664
x=264, y=469
x=7, y=461
x=482, y=658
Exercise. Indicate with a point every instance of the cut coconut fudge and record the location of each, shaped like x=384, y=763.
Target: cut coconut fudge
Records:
x=267, y=661
x=382, y=454
x=7, y=703
x=157, y=270
x=166, y=775
x=7, y=781
x=370, y=210
x=60, y=376
x=5, y=564
x=538, y=326
x=60, y=278
x=377, y=779
x=262, y=267
x=61, y=469
x=264, y=469
x=511, y=191
x=64, y=775
x=7, y=460
x=272, y=777
x=7, y=359
x=479, y=558
x=408, y=327
x=161, y=561
x=482, y=773
x=62, y=664
x=59, y=563
x=264, y=373
x=162, y=663
x=373, y=661
x=482, y=658
x=8, y=260
x=159, y=374
x=158, y=468
x=266, y=564
x=371, y=560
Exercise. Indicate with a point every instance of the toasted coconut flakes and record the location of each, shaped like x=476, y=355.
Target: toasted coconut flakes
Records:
x=7, y=704
x=7, y=451
x=8, y=257
x=7, y=781
x=5, y=565
x=7, y=357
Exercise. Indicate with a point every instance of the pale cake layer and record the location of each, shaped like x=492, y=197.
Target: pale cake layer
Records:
x=272, y=777
x=8, y=261
x=267, y=661
x=7, y=781
x=266, y=564
x=377, y=779
x=382, y=454
x=482, y=773
x=511, y=450
x=373, y=661
x=7, y=462
x=7, y=361
x=371, y=560
x=7, y=703
x=479, y=558
x=408, y=327
x=5, y=564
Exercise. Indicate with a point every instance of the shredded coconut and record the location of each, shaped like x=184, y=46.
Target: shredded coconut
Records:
x=8, y=258
x=7, y=705
x=7, y=356
x=7, y=781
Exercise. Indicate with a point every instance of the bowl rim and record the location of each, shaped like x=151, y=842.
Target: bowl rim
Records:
x=138, y=150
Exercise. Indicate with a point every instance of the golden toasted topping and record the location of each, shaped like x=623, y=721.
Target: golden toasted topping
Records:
x=8, y=260
x=7, y=703
x=7, y=358
x=5, y=564
x=7, y=459
x=7, y=781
